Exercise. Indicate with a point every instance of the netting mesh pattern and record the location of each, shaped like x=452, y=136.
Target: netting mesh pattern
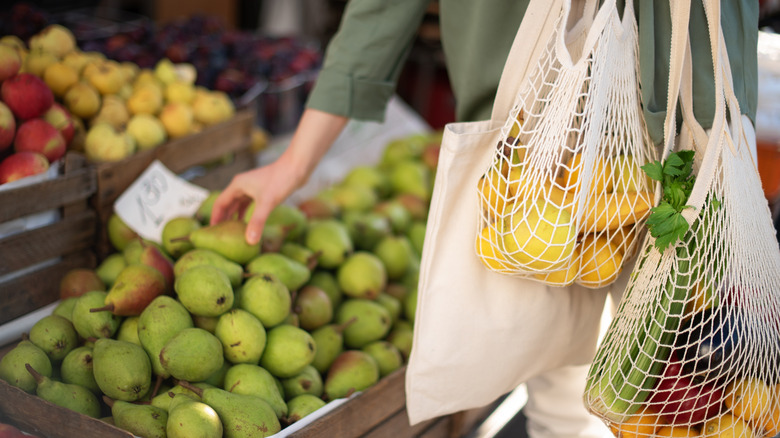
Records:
x=565, y=197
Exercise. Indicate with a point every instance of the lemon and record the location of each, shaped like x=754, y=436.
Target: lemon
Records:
x=565, y=276
x=600, y=261
x=749, y=399
x=487, y=244
x=677, y=431
x=602, y=174
x=540, y=236
x=727, y=426
x=627, y=176
x=493, y=192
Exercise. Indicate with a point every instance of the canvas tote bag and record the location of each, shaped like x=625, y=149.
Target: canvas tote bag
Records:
x=479, y=334
x=696, y=340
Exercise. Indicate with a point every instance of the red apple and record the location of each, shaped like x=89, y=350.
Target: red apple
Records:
x=7, y=126
x=38, y=135
x=60, y=118
x=22, y=164
x=10, y=61
x=27, y=95
x=8, y=431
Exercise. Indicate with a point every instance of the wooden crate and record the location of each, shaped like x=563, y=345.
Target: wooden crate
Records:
x=378, y=412
x=206, y=148
x=32, y=262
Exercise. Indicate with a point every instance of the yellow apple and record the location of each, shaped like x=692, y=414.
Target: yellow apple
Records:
x=76, y=60
x=180, y=91
x=105, y=144
x=165, y=71
x=82, y=100
x=145, y=99
x=55, y=39
x=107, y=78
x=212, y=108
x=113, y=111
x=59, y=77
x=147, y=130
x=37, y=61
x=177, y=118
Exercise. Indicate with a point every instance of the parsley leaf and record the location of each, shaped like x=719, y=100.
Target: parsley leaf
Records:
x=666, y=222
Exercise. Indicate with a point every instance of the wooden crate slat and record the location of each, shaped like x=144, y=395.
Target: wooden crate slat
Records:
x=114, y=178
x=34, y=246
x=37, y=416
x=47, y=195
x=439, y=429
x=362, y=413
x=208, y=145
x=397, y=426
x=33, y=290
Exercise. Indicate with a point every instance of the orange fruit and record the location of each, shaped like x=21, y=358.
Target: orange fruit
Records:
x=677, y=431
x=727, y=426
x=640, y=425
x=749, y=399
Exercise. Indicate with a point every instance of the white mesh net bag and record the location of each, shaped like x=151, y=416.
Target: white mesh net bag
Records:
x=564, y=198
x=694, y=349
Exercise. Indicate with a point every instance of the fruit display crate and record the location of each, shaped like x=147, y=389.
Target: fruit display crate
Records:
x=34, y=258
x=211, y=158
x=374, y=413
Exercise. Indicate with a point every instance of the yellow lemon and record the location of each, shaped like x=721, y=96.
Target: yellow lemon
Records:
x=602, y=174
x=640, y=425
x=727, y=426
x=540, y=236
x=565, y=276
x=487, y=245
x=749, y=399
x=601, y=261
x=771, y=426
x=493, y=192
x=615, y=210
x=514, y=131
x=677, y=431
x=627, y=176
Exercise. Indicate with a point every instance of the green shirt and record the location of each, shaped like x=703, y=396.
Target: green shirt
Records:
x=364, y=58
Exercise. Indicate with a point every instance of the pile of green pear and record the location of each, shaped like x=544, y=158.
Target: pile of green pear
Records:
x=206, y=335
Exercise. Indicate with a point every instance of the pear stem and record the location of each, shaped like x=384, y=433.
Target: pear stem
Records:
x=180, y=239
x=36, y=375
x=313, y=260
x=191, y=387
x=157, y=384
x=108, y=401
x=108, y=307
x=343, y=326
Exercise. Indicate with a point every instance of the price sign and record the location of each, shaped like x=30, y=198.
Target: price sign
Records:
x=156, y=197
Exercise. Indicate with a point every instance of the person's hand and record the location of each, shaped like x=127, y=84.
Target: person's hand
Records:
x=270, y=185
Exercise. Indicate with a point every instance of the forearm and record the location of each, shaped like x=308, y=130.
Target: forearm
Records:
x=314, y=135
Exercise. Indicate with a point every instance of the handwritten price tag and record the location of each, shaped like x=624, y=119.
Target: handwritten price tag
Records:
x=157, y=196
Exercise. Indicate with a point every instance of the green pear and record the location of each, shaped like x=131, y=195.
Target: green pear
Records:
x=217, y=378
x=290, y=272
x=372, y=321
x=250, y=379
x=366, y=228
x=77, y=368
x=410, y=304
x=164, y=398
x=415, y=205
x=119, y=234
x=158, y=323
x=402, y=335
x=301, y=406
x=330, y=238
x=79, y=280
x=397, y=291
x=91, y=324
x=227, y=239
x=242, y=335
x=362, y=275
x=352, y=371
x=353, y=197
x=203, y=213
x=134, y=249
x=393, y=305
x=400, y=218
x=300, y=254
x=155, y=257
x=208, y=323
x=289, y=217
x=371, y=177
x=402, y=149
x=110, y=268
x=139, y=419
x=288, y=350
x=190, y=418
x=293, y=320
x=128, y=330
x=74, y=397
x=122, y=369
x=326, y=281
x=205, y=290
x=386, y=355
x=243, y=416
x=313, y=307
x=13, y=370
x=173, y=230
x=267, y=298
x=55, y=335
x=197, y=257
x=396, y=254
x=319, y=208
x=309, y=381
x=330, y=343
x=135, y=287
x=65, y=308
x=413, y=177
x=416, y=235
x=193, y=354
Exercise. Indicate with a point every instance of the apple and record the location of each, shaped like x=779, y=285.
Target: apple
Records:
x=147, y=130
x=79, y=281
x=105, y=144
x=9, y=431
x=147, y=98
x=10, y=61
x=177, y=118
x=37, y=61
x=59, y=77
x=22, y=164
x=55, y=39
x=212, y=107
x=82, y=100
x=38, y=135
x=7, y=126
x=27, y=96
x=107, y=77
x=60, y=118
x=112, y=111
